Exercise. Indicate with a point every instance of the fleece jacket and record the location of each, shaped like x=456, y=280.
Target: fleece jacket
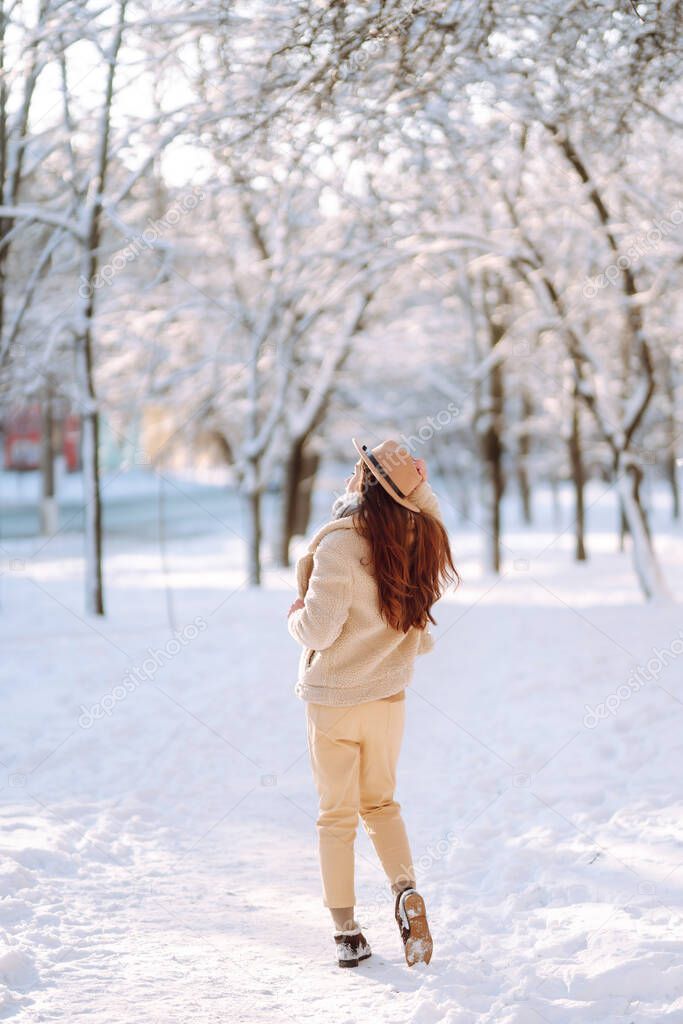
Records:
x=350, y=653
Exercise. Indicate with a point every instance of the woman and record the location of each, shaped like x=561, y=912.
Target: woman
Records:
x=367, y=585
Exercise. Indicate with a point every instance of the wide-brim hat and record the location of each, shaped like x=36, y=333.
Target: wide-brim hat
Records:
x=394, y=468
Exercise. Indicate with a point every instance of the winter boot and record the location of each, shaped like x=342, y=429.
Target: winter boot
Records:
x=351, y=948
x=411, y=918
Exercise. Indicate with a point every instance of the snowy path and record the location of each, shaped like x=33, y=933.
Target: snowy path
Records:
x=159, y=866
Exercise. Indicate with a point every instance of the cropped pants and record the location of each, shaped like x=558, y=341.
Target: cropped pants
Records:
x=354, y=752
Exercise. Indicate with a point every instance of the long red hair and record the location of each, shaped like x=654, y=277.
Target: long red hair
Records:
x=411, y=556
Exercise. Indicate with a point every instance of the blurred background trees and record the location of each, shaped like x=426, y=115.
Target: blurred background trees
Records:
x=264, y=227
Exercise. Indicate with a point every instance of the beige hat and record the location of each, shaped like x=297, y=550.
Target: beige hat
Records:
x=394, y=467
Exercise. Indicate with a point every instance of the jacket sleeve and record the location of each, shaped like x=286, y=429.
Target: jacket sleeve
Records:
x=425, y=499
x=328, y=598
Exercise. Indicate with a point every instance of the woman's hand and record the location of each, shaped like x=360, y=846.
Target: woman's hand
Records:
x=295, y=607
x=421, y=467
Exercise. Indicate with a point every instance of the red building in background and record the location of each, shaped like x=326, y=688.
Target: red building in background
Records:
x=23, y=438
x=71, y=442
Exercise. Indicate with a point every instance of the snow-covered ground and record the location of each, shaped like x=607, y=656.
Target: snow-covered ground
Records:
x=158, y=847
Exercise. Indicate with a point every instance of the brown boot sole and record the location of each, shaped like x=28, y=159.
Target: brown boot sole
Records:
x=418, y=945
x=354, y=963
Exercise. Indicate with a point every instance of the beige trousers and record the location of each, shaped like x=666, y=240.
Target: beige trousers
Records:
x=354, y=751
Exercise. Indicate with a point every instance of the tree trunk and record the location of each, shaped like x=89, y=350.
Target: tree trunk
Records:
x=4, y=225
x=624, y=522
x=672, y=477
x=644, y=559
x=637, y=477
x=290, y=486
x=523, y=448
x=304, y=495
x=671, y=464
x=94, y=593
x=287, y=510
x=524, y=493
x=623, y=529
x=48, y=506
x=578, y=479
x=493, y=449
x=493, y=457
x=14, y=123
x=635, y=343
x=255, y=529
x=85, y=340
x=297, y=494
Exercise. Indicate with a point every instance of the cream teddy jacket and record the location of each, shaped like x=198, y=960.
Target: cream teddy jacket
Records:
x=351, y=655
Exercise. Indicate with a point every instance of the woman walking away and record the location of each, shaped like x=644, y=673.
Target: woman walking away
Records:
x=367, y=586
